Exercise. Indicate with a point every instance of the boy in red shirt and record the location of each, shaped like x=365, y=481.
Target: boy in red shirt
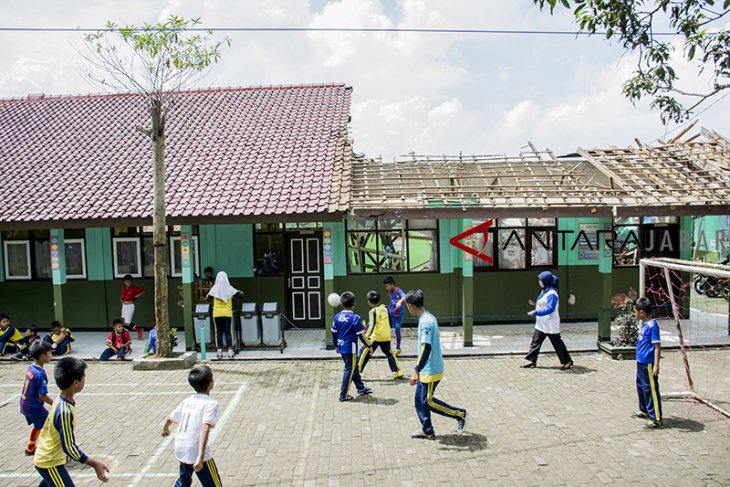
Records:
x=130, y=293
x=118, y=342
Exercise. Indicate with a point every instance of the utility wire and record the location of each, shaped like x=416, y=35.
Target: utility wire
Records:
x=691, y=119
x=329, y=29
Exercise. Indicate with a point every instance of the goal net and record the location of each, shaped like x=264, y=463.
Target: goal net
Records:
x=692, y=307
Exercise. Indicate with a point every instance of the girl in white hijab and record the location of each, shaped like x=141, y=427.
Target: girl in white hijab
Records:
x=222, y=294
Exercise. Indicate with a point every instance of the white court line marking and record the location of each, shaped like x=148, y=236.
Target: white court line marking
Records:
x=86, y=475
x=134, y=384
x=168, y=393
x=166, y=442
x=8, y=401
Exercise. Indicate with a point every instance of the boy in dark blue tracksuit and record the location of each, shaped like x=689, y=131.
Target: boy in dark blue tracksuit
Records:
x=648, y=353
x=347, y=328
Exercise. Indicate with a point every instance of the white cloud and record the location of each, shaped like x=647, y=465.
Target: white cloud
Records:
x=412, y=91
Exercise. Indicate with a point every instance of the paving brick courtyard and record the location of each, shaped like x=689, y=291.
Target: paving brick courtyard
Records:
x=280, y=424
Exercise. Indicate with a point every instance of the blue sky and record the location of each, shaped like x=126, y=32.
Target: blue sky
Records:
x=427, y=93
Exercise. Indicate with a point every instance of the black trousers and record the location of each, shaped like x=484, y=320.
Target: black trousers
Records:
x=538, y=337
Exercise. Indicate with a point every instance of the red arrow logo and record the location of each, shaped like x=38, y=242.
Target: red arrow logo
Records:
x=484, y=227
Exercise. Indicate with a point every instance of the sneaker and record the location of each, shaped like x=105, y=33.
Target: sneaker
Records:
x=346, y=398
x=231, y=355
x=640, y=415
x=654, y=425
x=26, y=358
x=219, y=354
x=398, y=374
x=365, y=392
x=461, y=422
x=17, y=357
x=396, y=352
x=29, y=453
x=420, y=435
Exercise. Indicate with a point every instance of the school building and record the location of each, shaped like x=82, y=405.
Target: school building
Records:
x=263, y=183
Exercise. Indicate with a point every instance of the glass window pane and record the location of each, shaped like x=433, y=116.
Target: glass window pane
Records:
x=17, y=263
x=16, y=234
x=362, y=251
x=148, y=257
x=147, y=230
x=660, y=219
x=541, y=222
x=269, y=248
x=73, y=233
x=269, y=227
x=484, y=246
x=511, y=249
x=390, y=224
x=358, y=224
x=541, y=249
x=626, y=220
x=422, y=250
x=626, y=246
x=392, y=255
x=126, y=257
x=511, y=222
x=422, y=224
x=42, y=259
x=126, y=231
x=75, y=259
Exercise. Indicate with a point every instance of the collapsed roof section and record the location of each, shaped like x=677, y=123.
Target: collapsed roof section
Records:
x=690, y=177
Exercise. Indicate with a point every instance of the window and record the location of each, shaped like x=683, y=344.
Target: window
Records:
x=28, y=254
x=391, y=246
x=144, y=250
x=176, y=256
x=75, y=258
x=517, y=243
x=631, y=231
x=127, y=257
x=269, y=251
x=17, y=259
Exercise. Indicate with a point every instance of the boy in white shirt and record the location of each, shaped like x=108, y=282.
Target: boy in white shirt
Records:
x=194, y=417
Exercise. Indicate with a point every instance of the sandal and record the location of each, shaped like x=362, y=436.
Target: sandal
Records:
x=567, y=366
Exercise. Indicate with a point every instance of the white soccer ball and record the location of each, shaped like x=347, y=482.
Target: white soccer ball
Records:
x=334, y=300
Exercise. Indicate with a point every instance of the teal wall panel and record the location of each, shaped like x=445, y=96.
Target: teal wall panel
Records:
x=227, y=248
x=98, y=254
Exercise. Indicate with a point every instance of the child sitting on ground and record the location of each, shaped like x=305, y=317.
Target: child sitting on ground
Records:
x=9, y=335
x=118, y=342
x=23, y=345
x=60, y=339
x=35, y=393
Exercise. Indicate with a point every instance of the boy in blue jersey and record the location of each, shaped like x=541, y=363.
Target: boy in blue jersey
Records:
x=396, y=297
x=347, y=328
x=429, y=371
x=57, y=439
x=648, y=353
x=35, y=393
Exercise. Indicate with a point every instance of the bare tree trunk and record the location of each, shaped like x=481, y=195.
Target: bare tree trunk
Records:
x=159, y=233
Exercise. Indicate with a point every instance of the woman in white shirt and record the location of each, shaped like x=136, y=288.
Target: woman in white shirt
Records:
x=547, y=323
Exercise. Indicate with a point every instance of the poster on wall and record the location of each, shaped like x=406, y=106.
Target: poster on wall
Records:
x=327, y=245
x=588, y=241
x=55, y=256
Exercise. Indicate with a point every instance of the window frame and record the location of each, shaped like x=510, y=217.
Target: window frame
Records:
x=639, y=237
x=83, y=257
x=27, y=277
x=284, y=251
x=405, y=229
x=171, y=256
x=528, y=237
x=140, y=265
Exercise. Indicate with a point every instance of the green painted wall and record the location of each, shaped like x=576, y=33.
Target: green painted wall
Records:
x=227, y=248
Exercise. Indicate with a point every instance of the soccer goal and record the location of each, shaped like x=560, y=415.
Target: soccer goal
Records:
x=694, y=297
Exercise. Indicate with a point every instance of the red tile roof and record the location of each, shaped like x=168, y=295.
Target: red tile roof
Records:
x=252, y=154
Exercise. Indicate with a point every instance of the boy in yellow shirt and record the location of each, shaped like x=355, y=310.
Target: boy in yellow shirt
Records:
x=57, y=437
x=378, y=335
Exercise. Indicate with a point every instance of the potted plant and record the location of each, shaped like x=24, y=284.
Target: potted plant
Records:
x=626, y=327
